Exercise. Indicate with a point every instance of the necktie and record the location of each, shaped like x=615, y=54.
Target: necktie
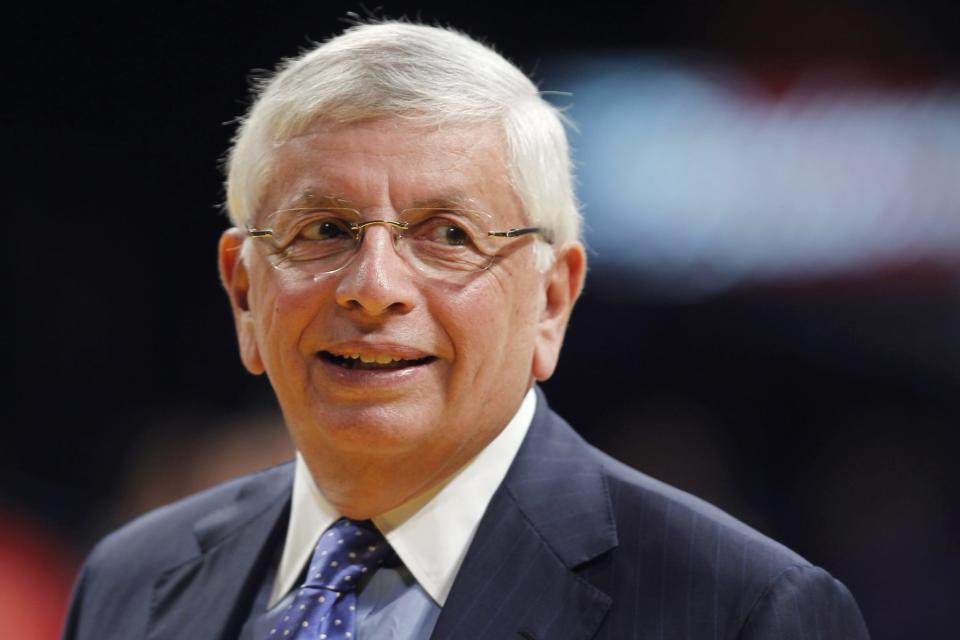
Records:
x=325, y=607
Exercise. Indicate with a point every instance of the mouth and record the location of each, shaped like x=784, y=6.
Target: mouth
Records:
x=373, y=362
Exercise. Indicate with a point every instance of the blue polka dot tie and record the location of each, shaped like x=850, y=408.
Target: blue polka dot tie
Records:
x=325, y=607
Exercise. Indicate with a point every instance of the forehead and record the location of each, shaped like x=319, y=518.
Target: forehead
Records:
x=390, y=163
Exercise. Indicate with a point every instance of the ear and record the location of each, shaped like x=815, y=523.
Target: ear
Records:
x=563, y=282
x=236, y=280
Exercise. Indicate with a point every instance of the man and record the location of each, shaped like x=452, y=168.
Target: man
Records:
x=403, y=264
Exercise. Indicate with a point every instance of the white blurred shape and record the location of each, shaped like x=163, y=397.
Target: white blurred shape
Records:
x=688, y=177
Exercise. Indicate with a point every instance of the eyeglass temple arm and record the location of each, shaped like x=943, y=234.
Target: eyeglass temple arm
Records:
x=521, y=231
x=259, y=233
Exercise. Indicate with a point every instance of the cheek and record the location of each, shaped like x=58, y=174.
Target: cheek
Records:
x=521, y=335
x=492, y=330
x=284, y=308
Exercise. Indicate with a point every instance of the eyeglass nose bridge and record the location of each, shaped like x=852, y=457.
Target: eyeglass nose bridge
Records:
x=360, y=227
x=396, y=227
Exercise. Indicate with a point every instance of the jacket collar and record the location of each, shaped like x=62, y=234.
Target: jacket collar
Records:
x=203, y=597
x=551, y=514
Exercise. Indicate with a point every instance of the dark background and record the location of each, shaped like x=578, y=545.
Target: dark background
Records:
x=821, y=412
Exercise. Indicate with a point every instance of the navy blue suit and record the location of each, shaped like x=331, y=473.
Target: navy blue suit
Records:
x=573, y=546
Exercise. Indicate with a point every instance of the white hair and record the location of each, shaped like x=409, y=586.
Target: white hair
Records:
x=428, y=75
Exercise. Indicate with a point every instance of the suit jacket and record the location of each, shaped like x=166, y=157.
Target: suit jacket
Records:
x=573, y=546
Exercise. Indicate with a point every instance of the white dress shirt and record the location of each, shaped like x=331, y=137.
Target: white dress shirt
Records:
x=431, y=533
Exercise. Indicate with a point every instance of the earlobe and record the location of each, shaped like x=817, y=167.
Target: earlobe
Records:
x=236, y=282
x=563, y=283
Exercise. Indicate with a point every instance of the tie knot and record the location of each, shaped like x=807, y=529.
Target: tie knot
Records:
x=345, y=553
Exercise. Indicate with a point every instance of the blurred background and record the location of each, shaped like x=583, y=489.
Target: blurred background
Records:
x=771, y=321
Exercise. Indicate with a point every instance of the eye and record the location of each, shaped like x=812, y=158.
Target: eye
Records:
x=442, y=231
x=451, y=234
x=326, y=229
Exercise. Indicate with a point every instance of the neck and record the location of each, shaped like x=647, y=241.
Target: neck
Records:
x=364, y=489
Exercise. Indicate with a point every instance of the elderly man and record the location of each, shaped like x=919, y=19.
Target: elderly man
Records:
x=403, y=264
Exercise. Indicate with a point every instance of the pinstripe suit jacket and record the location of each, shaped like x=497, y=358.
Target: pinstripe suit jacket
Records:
x=573, y=545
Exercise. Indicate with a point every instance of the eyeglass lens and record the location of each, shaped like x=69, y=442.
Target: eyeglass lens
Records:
x=436, y=241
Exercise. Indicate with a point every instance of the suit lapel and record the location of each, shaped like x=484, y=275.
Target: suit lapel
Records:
x=551, y=514
x=200, y=598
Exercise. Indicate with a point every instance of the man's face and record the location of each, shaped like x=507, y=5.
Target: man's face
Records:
x=469, y=347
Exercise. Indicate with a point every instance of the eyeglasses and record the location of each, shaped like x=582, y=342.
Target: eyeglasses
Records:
x=438, y=242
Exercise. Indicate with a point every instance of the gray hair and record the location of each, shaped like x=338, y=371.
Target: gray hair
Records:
x=428, y=75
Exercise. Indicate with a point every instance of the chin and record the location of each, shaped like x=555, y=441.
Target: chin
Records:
x=374, y=428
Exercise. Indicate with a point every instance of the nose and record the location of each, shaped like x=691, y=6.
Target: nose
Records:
x=377, y=281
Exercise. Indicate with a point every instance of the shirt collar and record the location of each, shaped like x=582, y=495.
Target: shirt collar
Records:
x=430, y=533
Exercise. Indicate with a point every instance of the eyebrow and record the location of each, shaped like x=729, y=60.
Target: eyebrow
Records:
x=308, y=198
x=449, y=201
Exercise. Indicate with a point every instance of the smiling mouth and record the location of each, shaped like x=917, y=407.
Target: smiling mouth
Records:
x=373, y=363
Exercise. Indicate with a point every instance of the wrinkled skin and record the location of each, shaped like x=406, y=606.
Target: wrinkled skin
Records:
x=376, y=438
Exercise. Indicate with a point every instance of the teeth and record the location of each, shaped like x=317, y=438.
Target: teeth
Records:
x=368, y=358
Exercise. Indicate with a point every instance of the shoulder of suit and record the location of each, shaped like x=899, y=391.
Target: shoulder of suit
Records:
x=676, y=553
x=166, y=536
x=656, y=511
x=652, y=517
